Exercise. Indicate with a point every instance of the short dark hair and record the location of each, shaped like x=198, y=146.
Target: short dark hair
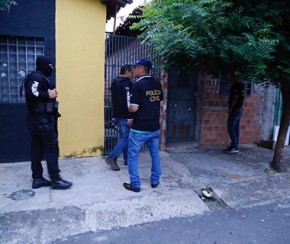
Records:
x=125, y=68
x=146, y=69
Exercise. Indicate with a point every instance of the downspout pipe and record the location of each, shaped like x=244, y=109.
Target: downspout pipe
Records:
x=277, y=118
x=278, y=107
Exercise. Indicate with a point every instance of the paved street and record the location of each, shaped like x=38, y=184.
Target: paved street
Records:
x=266, y=224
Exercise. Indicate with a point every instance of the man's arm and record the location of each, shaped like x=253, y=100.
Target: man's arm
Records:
x=33, y=90
x=233, y=102
x=135, y=99
x=132, y=109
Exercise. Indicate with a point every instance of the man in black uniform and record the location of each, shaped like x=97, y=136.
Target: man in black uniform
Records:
x=120, y=95
x=235, y=112
x=42, y=116
x=145, y=108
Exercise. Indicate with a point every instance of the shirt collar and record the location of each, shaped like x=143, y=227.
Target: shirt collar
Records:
x=145, y=76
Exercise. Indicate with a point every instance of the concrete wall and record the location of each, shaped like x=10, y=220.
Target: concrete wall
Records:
x=268, y=112
x=80, y=56
x=31, y=18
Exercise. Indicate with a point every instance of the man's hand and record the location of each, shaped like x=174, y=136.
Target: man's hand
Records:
x=133, y=108
x=52, y=93
x=129, y=122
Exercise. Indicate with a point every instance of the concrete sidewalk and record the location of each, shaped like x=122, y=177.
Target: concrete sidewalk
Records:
x=239, y=180
x=98, y=201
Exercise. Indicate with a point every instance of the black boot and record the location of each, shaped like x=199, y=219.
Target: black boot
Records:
x=154, y=185
x=129, y=187
x=113, y=163
x=41, y=182
x=60, y=184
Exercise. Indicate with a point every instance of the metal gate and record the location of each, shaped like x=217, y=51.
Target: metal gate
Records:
x=121, y=50
x=181, y=106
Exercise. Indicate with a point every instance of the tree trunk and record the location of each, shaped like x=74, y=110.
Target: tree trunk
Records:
x=284, y=124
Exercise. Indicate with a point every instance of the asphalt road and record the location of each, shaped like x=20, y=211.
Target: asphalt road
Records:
x=267, y=224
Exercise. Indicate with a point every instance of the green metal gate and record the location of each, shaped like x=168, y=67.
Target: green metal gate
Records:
x=181, y=106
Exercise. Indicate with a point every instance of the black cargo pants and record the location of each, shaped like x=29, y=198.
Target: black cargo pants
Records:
x=44, y=144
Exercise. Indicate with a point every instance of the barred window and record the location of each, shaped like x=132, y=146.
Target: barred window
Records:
x=17, y=59
x=225, y=86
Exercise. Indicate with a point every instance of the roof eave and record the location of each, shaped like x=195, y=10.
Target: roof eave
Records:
x=113, y=6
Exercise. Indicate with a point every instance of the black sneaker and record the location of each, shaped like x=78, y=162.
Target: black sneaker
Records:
x=112, y=162
x=154, y=185
x=129, y=187
x=60, y=184
x=231, y=150
x=42, y=182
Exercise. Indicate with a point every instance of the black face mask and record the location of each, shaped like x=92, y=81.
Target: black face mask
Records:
x=44, y=65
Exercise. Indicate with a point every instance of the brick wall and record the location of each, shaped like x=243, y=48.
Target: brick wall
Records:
x=250, y=127
x=163, y=117
x=213, y=115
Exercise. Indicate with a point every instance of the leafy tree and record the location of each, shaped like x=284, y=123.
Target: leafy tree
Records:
x=6, y=4
x=248, y=39
x=124, y=29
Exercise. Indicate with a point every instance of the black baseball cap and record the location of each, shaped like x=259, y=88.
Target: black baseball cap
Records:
x=143, y=62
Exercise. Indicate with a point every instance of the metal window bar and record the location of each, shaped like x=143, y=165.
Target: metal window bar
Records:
x=121, y=50
x=18, y=55
x=225, y=86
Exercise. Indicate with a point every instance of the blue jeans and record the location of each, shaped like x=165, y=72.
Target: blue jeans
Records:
x=122, y=145
x=136, y=140
x=234, y=126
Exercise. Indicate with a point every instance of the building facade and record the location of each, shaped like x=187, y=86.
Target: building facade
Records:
x=72, y=34
x=196, y=109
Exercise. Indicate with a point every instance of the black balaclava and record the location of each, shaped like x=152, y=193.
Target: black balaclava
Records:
x=44, y=65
